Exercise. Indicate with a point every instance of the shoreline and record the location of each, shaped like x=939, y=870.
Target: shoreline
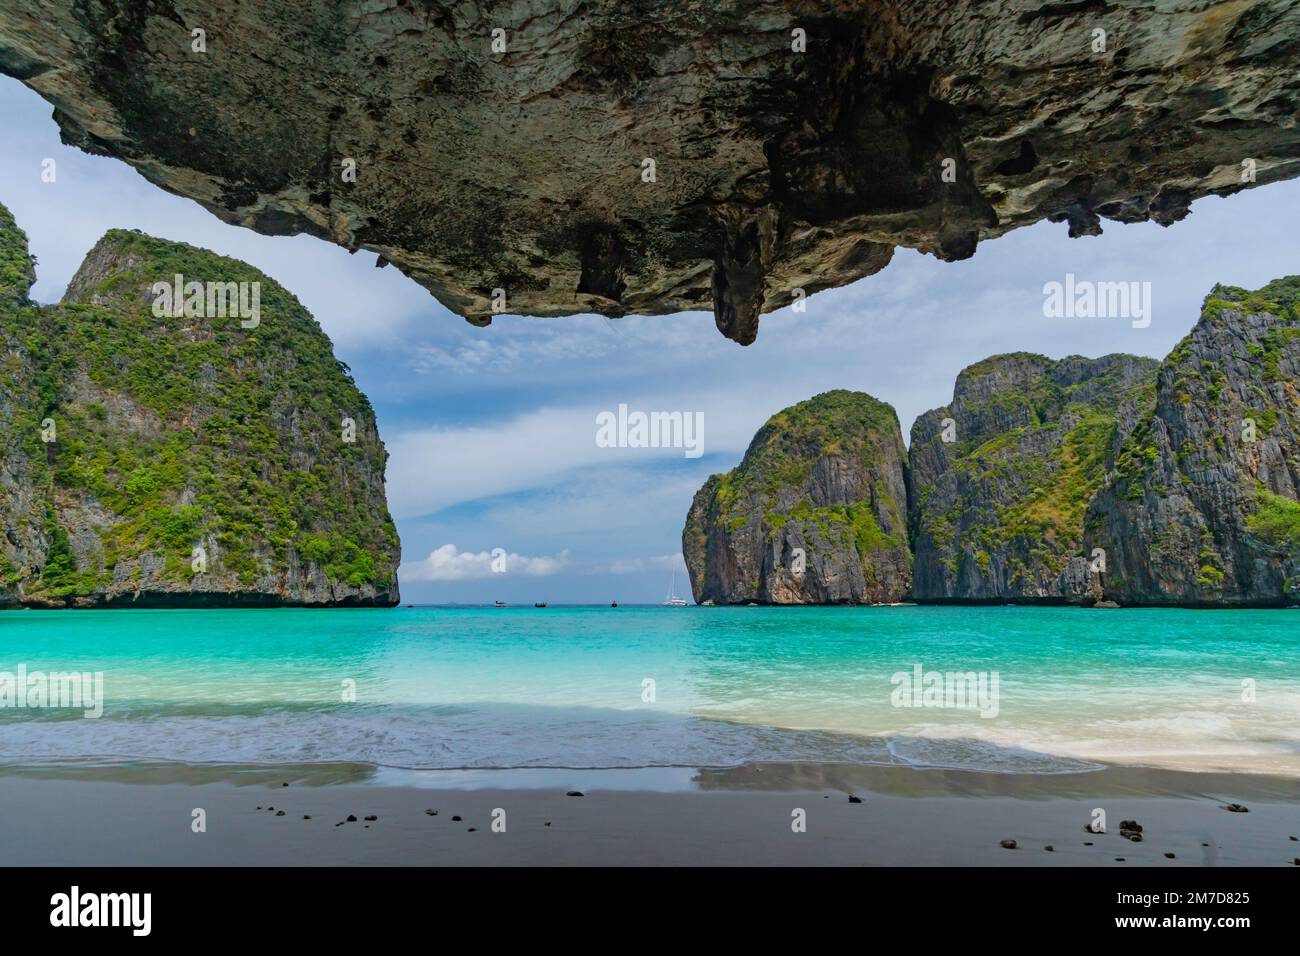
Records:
x=263, y=602
x=142, y=814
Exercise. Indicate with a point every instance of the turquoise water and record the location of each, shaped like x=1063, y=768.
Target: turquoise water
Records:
x=523, y=687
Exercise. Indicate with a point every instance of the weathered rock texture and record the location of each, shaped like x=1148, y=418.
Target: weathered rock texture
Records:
x=774, y=169
x=826, y=477
x=128, y=440
x=997, y=509
x=1203, y=506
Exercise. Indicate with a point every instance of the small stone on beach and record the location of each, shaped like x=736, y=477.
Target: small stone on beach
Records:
x=1049, y=849
x=430, y=813
x=455, y=819
x=279, y=813
x=1237, y=808
x=306, y=816
x=853, y=799
x=351, y=818
x=575, y=793
x=372, y=817
x=1008, y=844
x=1169, y=856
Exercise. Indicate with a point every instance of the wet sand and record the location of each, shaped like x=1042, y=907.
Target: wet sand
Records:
x=143, y=815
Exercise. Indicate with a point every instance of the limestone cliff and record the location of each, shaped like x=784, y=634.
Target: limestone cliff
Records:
x=194, y=459
x=814, y=514
x=1001, y=477
x=670, y=155
x=1117, y=479
x=1204, y=504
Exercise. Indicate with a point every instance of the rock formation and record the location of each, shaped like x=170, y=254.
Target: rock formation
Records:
x=651, y=158
x=1078, y=481
x=1001, y=477
x=814, y=514
x=1203, y=508
x=195, y=459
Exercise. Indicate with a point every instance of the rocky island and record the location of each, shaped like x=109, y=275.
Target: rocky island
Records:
x=1116, y=480
x=816, y=513
x=1001, y=477
x=1201, y=509
x=153, y=454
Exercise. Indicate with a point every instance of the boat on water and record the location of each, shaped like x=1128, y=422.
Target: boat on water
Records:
x=540, y=604
x=613, y=604
x=674, y=599
x=500, y=604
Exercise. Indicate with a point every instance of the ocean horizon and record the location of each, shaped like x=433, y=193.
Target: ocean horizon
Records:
x=1010, y=689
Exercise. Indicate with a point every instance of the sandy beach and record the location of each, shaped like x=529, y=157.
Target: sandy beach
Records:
x=143, y=815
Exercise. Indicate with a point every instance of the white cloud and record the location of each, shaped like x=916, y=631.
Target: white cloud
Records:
x=436, y=468
x=661, y=562
x=449, y=563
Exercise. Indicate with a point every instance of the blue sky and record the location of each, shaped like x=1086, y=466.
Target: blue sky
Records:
x=491, y=431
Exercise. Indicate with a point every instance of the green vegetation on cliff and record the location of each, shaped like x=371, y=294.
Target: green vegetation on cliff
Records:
x=998, y=512
x=824, y=478
x=175, y=433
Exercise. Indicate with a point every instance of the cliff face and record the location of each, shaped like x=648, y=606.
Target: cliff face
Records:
x=825, y=478
x=200, y=459
x=997, y=509
x=1202, y=508
x=1076, y=481
x=670, y=155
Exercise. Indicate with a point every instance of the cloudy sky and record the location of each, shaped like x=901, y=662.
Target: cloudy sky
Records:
x=492, y=431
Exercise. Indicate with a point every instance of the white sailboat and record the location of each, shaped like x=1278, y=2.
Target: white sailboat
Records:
x=673, y=599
